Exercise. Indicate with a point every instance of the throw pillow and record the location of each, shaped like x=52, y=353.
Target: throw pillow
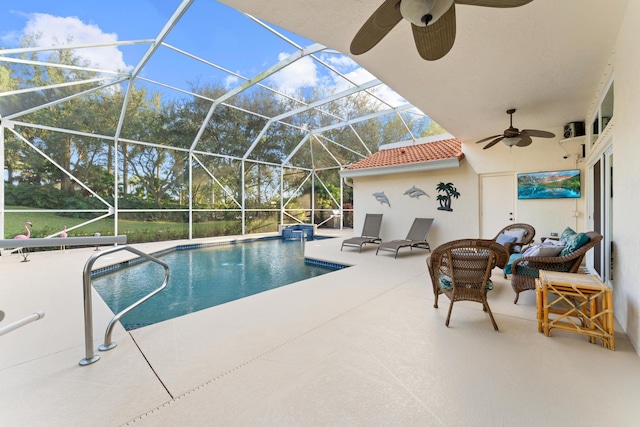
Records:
x=549, y=248
x=574, y=242
x=518, y=233
x=566, y=233
x=505, y=238
x=532, y=250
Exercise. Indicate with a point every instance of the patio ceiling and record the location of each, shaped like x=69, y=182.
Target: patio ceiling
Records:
x=547, y=58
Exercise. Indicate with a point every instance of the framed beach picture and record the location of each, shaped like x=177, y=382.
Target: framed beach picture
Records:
x=549, y=185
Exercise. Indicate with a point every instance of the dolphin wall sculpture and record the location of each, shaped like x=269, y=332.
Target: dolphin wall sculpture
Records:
x=382, y=198
x=415, y=192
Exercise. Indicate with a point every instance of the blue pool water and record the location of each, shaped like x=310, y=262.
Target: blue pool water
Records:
x=204, y=277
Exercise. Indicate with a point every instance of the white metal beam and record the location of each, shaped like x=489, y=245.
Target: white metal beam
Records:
x=173, y=20
x=259, y=77
x=363, y=118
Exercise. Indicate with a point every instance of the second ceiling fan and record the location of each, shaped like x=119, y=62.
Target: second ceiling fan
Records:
x=433, y=23
x=513, y=136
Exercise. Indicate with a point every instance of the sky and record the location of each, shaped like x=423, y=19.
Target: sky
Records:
x=208, y=30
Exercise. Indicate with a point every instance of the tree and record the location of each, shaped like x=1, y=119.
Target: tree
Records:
x=433, y=129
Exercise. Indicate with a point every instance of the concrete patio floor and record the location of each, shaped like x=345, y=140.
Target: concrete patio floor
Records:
x=359, y=346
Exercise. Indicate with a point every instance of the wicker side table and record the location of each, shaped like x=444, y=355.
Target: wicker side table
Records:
x=579, y=303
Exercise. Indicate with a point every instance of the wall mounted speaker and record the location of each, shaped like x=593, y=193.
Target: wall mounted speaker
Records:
x=573, y=129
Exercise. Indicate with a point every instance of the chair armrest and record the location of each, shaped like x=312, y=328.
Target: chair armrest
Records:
x=510, y=246
x=567, y=263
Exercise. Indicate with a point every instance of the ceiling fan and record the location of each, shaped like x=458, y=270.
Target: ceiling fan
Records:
x=512, y=136
x=433, y=23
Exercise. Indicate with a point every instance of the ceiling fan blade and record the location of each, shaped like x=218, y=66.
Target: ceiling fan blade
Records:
x=494, y=3
x=524, y=141
x=436, y=40
x=492, y=143
x=377, y=26
x=538, y=133
x=487, y=138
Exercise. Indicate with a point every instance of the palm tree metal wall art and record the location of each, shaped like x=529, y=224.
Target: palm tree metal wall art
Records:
x=445, y=199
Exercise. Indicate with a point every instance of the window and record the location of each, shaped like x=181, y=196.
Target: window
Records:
x=603, y=116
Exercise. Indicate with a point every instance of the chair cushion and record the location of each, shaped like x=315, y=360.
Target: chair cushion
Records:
x=505, y=238
x=447, y=284
x=574, y=242
x=512, y=258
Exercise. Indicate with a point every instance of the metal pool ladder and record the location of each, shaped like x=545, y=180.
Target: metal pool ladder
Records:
x=90, y=357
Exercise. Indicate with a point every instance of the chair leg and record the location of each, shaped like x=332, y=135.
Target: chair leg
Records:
x=485, y=305
x=515, y=301
x=495, y=326
x=435, y=304
x=449, y=314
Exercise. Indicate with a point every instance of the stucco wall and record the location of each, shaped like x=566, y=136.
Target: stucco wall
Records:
x=551, y=215
x=460, y=222
x=626, y=178
x=546, y=215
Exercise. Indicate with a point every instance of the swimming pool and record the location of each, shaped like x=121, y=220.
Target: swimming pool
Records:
x=204, y=277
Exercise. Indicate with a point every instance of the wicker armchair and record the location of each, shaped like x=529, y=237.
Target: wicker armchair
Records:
x=461, y=270
x=529, y=234
x=525, y=269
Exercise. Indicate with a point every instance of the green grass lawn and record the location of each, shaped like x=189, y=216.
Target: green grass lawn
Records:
x=48, y=223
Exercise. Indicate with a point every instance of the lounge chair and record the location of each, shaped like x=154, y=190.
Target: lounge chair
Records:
x=370, y=233
x=417, y=237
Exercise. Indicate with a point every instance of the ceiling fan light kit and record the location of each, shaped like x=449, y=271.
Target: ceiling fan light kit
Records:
x=424, y=12
x=512, y=141
x=433, y=24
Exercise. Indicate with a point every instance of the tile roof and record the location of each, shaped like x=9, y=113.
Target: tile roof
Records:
x=438, y=150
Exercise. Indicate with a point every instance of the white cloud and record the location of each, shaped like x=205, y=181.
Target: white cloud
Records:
x=357, y=76
x=306, y=73
x=389, y=96
x=10, y=38
x=299, y=75
x=231, y=81
x=57, y=30
x=342, y=63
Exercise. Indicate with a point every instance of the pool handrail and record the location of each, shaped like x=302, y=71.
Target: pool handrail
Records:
x=20, y=323
x=90, y=356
